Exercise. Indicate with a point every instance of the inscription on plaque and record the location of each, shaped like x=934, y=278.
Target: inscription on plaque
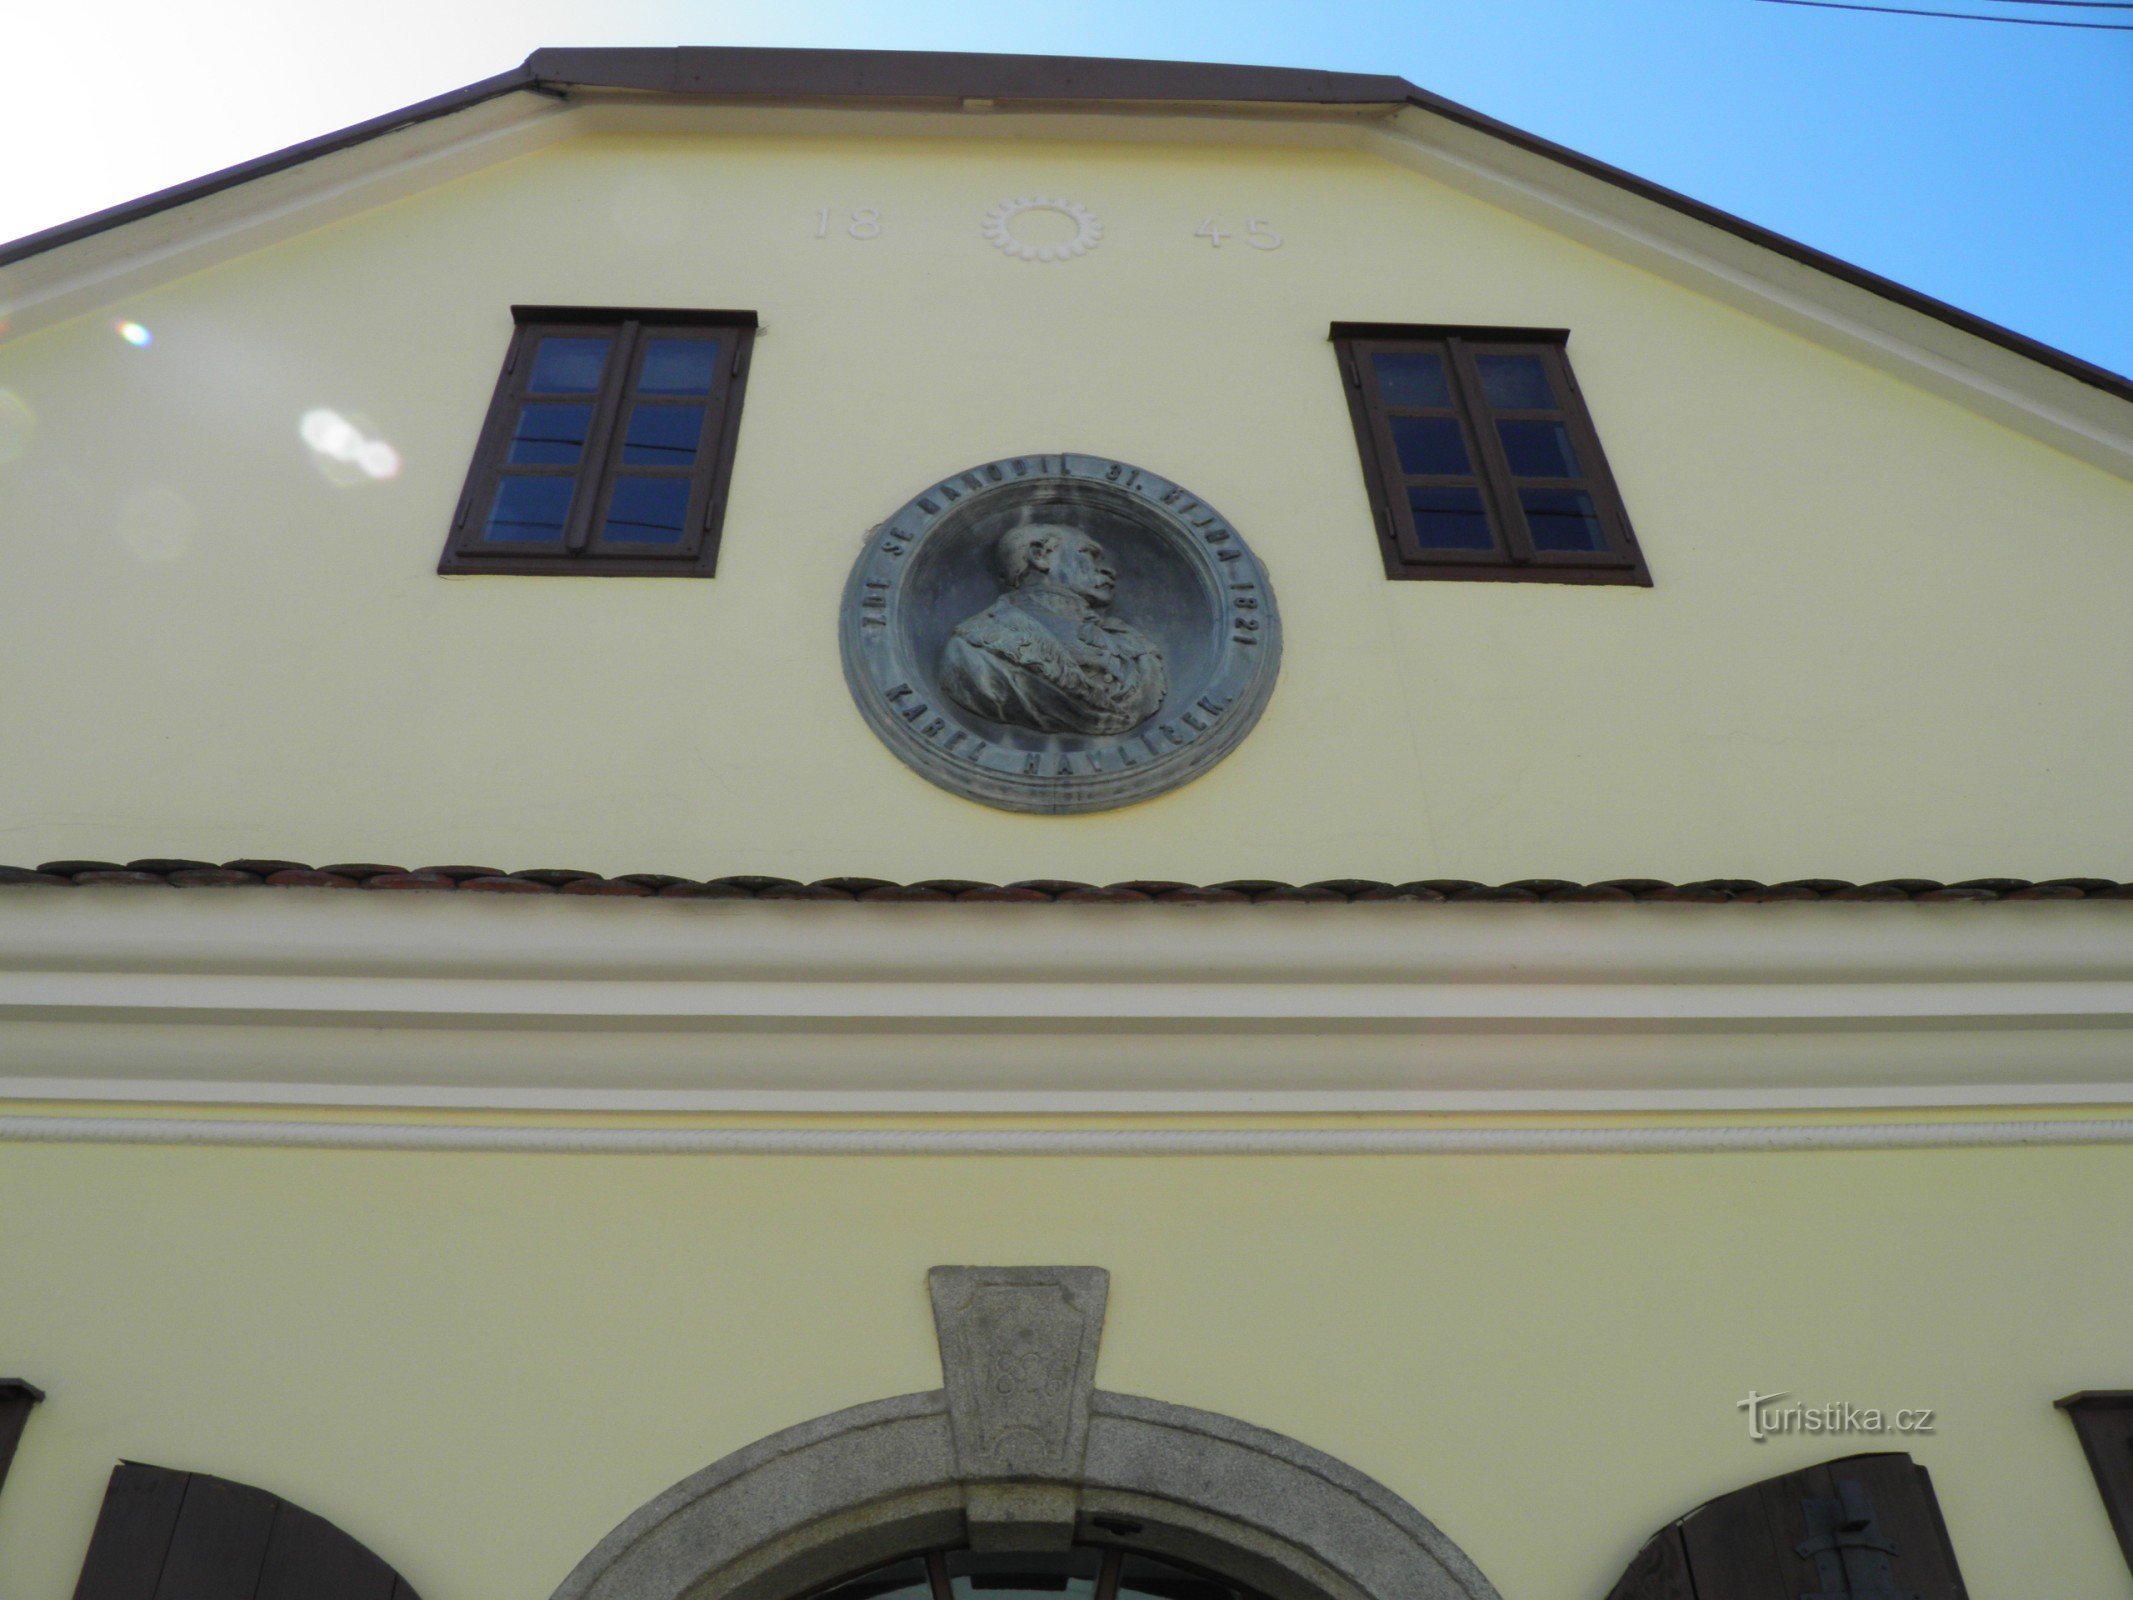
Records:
x=1059, y=633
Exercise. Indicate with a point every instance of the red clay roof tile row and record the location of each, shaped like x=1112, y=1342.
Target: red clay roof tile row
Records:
x=183, y=874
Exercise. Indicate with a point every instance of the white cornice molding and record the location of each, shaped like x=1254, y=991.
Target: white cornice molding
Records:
x=321, y=997
x=1750, y=1138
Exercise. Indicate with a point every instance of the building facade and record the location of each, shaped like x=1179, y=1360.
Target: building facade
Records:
x=1192, y=779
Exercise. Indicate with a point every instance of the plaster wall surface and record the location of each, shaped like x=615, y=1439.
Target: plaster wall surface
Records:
x=480, y=1363
x=1886, y=636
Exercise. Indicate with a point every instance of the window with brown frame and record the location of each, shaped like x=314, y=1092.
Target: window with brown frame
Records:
x=1479, y=456
x=608, y=445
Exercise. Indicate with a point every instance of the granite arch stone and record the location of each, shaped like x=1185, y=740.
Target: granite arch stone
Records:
x=866, y=1485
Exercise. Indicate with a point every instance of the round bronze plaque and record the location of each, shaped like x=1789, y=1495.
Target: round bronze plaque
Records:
x=1059, y=633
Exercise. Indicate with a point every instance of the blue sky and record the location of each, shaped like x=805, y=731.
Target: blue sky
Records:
x=1989, y=165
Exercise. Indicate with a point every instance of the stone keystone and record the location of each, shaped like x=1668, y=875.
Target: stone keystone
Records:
x=1018, y=1353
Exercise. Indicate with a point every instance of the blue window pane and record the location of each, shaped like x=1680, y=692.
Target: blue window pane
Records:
x=529, y=511
x=549, y=435
x=1430, y=445
x=678, y=366
x=1449, y=519
x=567, y=365
x=1562, y=519
x=1516, y=383
x=662, y=436
x=1412, y=378
x=1538, y=449
x=647, y=511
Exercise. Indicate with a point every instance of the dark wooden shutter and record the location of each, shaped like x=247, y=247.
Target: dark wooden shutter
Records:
x=1859, y=1528
x=165, y=1535
x=16, y=1398
x=2104, y=1420
x=1660, y=1572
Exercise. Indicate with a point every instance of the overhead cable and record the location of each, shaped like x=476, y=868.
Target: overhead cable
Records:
x=1957, y=16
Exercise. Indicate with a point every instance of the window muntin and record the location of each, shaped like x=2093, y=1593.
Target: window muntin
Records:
x=608, y=445
x=1479, y=457
x=1086, y=1572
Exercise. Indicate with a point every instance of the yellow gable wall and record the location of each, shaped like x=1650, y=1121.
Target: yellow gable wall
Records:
x=1887, y=636
x=480, y=1364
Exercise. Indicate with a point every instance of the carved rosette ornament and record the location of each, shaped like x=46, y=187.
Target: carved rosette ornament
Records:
x=1059, y=633
x=1000, y=229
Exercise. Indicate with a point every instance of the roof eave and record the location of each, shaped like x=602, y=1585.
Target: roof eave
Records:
x=118, y=216
x=897, y=75
x=913, y=78
x=2073, y=366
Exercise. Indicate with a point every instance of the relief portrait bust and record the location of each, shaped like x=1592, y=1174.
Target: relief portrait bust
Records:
x=1058, y=633
x=1044, y=656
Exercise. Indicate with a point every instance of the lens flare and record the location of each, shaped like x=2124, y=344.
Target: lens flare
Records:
x=329, y=433
x=346, y=449
x=134, y=334
x=378, y=458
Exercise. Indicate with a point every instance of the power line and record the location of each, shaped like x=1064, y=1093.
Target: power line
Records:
x=1959, y=16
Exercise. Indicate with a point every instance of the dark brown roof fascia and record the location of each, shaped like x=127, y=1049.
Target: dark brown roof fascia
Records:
x=295, y=155
x=948, y=75
x=898, y=75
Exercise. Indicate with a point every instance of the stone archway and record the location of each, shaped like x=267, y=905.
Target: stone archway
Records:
x=1020, y=1449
